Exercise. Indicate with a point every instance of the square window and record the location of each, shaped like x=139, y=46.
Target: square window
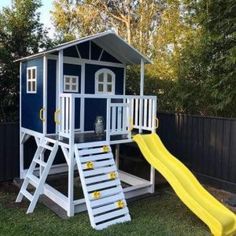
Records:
x=71, y=83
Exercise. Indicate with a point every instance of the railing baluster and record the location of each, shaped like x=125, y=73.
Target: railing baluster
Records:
x=136, y=112
x=145, y=114
x=119, y=119
x=113, y=125
x=150, y=113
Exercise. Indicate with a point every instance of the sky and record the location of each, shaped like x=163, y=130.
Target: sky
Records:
x=44, y=13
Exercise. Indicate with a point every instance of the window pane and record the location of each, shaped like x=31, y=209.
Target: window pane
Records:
x=101, y=77
x=100, y=87
x=29, y=86
x=33, y=74
x=109, y=88
x=33, y=86
x=74, y=80
x=29, y=74
x=67, y=87
x=109, y=78
x=73, y=88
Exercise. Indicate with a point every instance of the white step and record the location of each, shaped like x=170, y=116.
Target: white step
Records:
x=108, y=192
x=103, y=170
x=103, y=185
x=27, y=194
x=46, y=146
x=40, y=162
x=33, y=180
x=98, y=164
x=96, y=157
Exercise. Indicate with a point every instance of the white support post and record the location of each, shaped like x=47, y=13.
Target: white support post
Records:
x=71, y=163
x=59, y=81
x=21, y=133
x=152, y=170
x=45, y=72
x=142, y=78
x=141, y=94
x=117, y=154
x=108, y=121
x=82, y=102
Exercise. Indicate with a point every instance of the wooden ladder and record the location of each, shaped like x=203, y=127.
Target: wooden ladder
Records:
x=101, y=185
x=36, y=181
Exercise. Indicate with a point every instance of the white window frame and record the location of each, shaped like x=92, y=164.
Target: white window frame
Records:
x=105, y=82
x=31, y=80
x=70, y=90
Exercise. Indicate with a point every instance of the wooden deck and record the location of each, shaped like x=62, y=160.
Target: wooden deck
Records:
x=90, y=137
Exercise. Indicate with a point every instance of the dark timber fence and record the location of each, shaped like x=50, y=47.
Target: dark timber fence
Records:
x=207, y=145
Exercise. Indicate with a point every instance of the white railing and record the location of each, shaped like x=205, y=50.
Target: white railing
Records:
x=66, y=109
x=123, y=113
x=143, y=112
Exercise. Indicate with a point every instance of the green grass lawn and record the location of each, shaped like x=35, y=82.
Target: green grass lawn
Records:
x=163, y=214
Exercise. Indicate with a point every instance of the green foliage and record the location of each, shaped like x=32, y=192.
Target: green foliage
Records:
x=20, y=34
x=206, y=83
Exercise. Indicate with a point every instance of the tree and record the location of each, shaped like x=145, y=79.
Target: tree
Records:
x=20, y=35
x=208, y=76
x=134, y=20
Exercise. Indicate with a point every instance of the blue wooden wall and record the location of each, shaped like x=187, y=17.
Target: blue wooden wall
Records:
x=32, y=103
x=97, y=107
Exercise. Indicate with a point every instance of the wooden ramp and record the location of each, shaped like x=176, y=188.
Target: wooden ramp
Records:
x=101, y=185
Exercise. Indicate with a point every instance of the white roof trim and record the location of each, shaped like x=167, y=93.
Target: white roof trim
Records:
x=93, y=38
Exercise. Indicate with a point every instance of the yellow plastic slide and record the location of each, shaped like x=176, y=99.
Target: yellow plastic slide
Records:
x=219, y=219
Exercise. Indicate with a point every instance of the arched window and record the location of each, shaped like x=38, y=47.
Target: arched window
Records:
x=104, y=81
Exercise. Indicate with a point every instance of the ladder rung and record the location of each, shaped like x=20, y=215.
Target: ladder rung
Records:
x=40, y=162
x=33, y=180
x=47, y=147
x=27, y=194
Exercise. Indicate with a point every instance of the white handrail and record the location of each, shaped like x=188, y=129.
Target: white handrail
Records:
x=123, y=113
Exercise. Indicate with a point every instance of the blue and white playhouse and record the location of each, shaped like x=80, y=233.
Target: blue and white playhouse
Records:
x=62, y=92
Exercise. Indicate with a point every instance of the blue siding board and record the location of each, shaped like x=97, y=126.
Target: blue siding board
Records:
x=97, y=107
x=32, y=103
x=51, y=96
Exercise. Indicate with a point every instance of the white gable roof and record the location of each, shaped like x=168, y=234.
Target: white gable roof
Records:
x=109, y=41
